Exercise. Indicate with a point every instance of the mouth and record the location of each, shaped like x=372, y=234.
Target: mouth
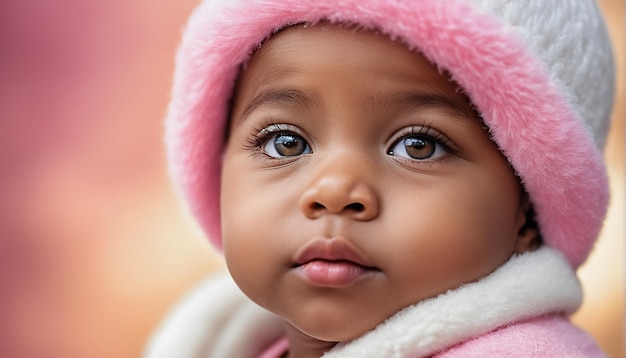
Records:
x=332, y=263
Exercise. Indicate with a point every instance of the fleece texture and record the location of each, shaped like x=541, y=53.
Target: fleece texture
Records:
x=548, y=336
x=540, y=72
x=527, y=297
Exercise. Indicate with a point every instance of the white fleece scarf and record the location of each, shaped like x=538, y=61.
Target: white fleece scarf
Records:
x=217, y=320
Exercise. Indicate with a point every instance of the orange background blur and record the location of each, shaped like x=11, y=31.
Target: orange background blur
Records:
x=94, y=245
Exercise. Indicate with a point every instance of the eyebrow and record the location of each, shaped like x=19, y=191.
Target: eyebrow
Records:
x=299, y=98
x=464, y=110
x=281, y=97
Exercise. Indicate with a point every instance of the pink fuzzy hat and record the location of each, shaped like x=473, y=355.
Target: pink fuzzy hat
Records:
x=539, y=71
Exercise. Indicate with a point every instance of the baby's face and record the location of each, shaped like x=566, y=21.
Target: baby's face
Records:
x=357, y=181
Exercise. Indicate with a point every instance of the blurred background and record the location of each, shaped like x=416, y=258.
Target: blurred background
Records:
x=94, y=246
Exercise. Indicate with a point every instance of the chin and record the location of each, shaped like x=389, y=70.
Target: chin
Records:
x=329, y=332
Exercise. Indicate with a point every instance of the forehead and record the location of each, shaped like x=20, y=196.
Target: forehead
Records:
x=316, y=58
x=298, y=48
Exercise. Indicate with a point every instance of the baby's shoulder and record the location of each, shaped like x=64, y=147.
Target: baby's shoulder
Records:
x=546, y=336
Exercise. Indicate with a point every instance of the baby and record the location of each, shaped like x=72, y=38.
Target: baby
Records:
x=390, y=178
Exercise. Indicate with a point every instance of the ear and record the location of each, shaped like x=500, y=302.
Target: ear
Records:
x=528, y=236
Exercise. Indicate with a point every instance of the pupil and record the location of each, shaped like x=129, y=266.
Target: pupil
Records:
x=288, y=141
x=419, y=147
x=289, y=145
x=416, y=143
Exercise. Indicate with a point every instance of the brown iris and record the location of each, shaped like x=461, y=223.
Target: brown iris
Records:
x=289, y=145
x=419, y=147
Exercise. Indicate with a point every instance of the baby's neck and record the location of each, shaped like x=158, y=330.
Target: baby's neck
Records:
x=304, y=346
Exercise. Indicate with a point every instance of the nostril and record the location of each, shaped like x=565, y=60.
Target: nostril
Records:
x=358, y=207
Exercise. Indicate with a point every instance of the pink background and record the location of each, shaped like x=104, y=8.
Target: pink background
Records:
x=94, y=246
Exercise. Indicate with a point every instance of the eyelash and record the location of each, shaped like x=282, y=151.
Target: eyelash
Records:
x=425, y=130
x=269, y=129
x=259, y=135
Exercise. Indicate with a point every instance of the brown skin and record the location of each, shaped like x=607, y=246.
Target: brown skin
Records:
x=328, y=161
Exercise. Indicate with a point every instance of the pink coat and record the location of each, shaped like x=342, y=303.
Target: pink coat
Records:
x=547, y=336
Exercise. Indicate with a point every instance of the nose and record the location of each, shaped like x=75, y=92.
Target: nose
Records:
x=341, y=188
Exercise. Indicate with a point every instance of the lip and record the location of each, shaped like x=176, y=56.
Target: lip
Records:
x=331, y=263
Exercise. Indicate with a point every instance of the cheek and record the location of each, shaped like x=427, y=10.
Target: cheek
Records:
x=237, y=207
x=456, y=231
x=254, y=218
x=246, y=252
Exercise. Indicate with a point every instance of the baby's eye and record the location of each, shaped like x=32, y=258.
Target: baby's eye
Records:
x=286, y=145
x=418, y=147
